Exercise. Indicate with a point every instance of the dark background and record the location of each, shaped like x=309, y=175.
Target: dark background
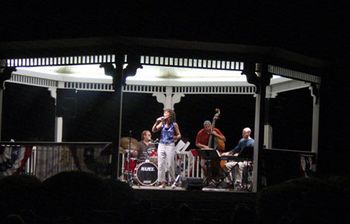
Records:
x=315, y=29
x=29, y=113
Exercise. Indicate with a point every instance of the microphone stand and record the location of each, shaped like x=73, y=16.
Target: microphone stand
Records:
x=176, y=180
x=128, y=158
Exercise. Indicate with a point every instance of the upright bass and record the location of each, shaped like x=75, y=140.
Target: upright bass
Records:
x=218, y=143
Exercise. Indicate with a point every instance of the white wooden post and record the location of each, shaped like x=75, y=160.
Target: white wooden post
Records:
x=1, y=104
x=256, y=145
x=315, y=123
x=58, y=120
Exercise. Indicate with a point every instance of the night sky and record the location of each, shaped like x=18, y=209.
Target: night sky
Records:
x=316, y=29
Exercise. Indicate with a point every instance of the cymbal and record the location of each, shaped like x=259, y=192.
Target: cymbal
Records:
x=124, y=143
x=127, y=150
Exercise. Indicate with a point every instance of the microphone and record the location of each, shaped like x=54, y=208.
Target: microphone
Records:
x=160, y=118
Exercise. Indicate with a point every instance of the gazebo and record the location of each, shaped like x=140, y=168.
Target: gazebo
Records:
x=169, y=70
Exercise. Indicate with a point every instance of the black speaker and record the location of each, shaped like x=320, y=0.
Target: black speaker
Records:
x=192, y=183
x=66, y=105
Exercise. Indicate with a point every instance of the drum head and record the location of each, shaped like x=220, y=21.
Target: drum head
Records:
x=146, y=173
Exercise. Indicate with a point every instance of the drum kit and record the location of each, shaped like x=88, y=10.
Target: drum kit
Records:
x=136, y=171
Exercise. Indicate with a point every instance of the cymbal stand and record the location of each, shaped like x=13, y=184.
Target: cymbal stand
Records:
x=130, y=181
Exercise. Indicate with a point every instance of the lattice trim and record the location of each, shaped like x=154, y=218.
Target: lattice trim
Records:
x=33, y=81
x=192, y=89
x=192, y=63
x=143, y=89
x=89, y=86
x=56, y=61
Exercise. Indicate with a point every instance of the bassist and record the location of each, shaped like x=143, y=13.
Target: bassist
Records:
x=203, y=136
x=207, y=133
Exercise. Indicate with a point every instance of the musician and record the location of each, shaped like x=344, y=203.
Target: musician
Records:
x=245, y=143
x=202, y=140
x=146, y=146
x=170, y=133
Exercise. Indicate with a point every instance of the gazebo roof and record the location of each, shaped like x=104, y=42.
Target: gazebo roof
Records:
x=158, y=47
x=165, y=62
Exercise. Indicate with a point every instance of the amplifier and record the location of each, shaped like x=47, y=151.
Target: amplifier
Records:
x=192, y=183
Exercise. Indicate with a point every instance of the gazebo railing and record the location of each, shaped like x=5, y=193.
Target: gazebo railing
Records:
x=283, y=164
x=45, y=159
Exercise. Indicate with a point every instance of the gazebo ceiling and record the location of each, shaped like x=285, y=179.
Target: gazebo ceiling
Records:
x=148, y=75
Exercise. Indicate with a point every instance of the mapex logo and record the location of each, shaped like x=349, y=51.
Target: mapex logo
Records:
x=147, y=169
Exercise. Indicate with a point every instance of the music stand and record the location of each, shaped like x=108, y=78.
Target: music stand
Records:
x=209, y=155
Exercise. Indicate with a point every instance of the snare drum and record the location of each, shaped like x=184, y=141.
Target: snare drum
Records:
x=146, y=173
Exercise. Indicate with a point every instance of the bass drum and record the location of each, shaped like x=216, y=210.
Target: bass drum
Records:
x=146, y=173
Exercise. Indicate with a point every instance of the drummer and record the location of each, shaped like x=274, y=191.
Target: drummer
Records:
x=147, y=147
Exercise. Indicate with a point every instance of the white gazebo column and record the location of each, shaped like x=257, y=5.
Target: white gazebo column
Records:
x=5, y=74
x=58, y=120
x=268, y=136
x=168, y=99
x=315, y=121
x=257, y=140
x=58, y=129
x=1, y=103
x=267, y=126
x=257, y=74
